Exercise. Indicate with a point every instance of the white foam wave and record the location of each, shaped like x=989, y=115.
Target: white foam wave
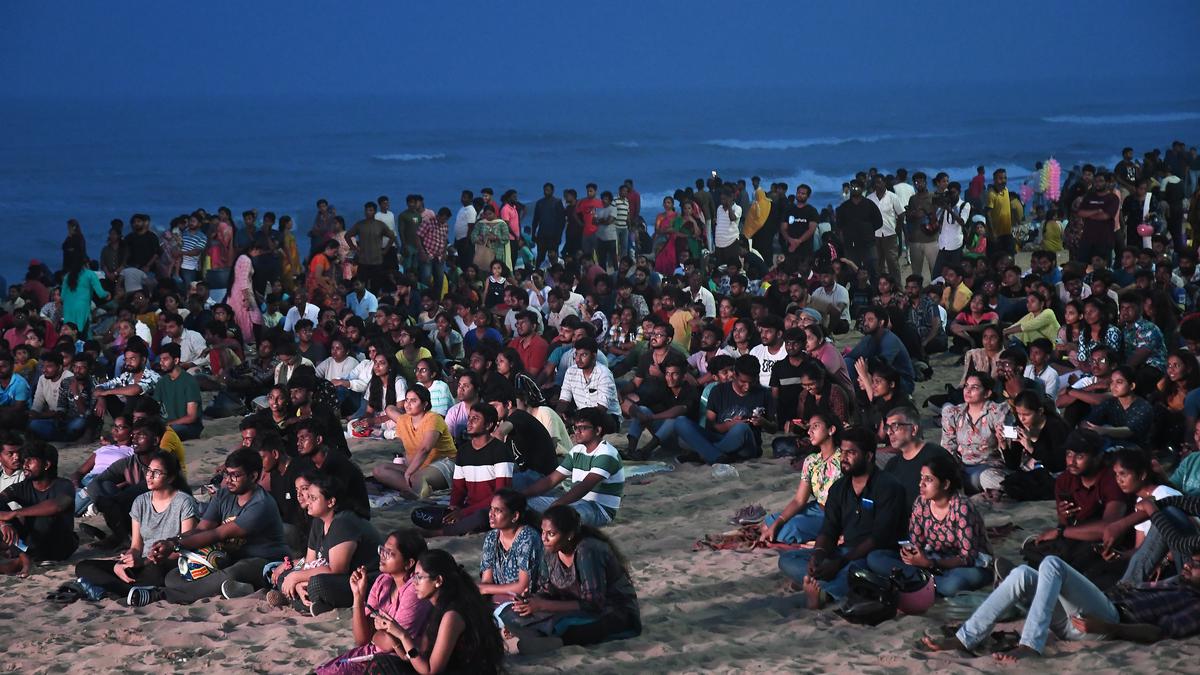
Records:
x=628, y=144
x=794, y=143
x=1144, y=118
x=409, y=157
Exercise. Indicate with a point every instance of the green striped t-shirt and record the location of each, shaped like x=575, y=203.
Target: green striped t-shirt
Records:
x=604, y=461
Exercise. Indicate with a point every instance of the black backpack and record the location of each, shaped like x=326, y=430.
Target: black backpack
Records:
x=872, y=599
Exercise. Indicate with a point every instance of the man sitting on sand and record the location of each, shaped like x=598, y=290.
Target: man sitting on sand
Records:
x=42, y=527
x=594, y=467
x=243, y=521
x=864, y=508
x=1062, y=600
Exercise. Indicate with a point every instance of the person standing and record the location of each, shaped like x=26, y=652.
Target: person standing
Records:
x=549, y=219
x=432, y=235
x=857, y=221
x=369, y=237
x=727, y=231
x=464, y=221
x=1098, y=210
x=891, y=212
x=999, y=211
x=322, y=228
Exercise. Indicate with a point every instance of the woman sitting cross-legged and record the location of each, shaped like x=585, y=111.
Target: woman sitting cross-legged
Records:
x=460, y=635
x=393, y=594
x=340, y=541
x=167, y=509
x=586, y=596
x=512, y=551
x=946, y=535
x=801, y=519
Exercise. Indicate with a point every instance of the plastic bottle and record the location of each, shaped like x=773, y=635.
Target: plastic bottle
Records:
x=724, y=471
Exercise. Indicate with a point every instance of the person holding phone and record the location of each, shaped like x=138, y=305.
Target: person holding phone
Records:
x=946, y=535
x=392, y=596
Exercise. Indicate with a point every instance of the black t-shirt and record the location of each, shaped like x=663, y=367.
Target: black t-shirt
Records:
x=786, y=378
x=1100, y=230
x=43, y=527
x=877, y=513
x=142, y=246
x=908, y=471
x=354, y=486
x=347, y=526
x=531, y=445
x=803, y=217
x=725, y=403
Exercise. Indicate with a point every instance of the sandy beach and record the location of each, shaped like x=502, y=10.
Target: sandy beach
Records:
x=703, y=611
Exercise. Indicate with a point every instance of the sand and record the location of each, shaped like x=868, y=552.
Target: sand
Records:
x=703, y=611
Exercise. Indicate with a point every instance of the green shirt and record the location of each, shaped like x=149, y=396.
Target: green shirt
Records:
x=174, y=395
x=604, y=461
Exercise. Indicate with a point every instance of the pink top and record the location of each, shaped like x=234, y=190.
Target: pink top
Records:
x=402, y=605
x=509, y=213
x=828, y=355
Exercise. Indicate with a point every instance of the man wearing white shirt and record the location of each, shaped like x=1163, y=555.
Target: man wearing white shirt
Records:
x=385, y=215
x=891, y=210
x=902, y=188
x=589, y=384
x=191, y=344
x=301, y=309
x=726, y=233
x=835, y=299
x=952, y=225
x=463, y=221
x=701, y=294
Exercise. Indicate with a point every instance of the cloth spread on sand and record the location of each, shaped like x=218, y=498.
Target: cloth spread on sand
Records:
x=743, y=539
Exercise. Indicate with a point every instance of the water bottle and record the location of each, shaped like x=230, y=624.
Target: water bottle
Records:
x=724, y=471
x=399, y=459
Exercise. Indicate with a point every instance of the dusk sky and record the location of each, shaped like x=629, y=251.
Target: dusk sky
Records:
x=269, y=47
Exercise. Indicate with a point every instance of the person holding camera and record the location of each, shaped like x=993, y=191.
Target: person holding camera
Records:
x=952, y=214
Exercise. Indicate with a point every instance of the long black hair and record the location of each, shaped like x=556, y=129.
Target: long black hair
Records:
x=480, y=640
x=566, y=520
x=170, y=464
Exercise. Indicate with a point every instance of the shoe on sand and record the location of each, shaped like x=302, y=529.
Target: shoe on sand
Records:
x=140, y=596
x=235, y=589
x=277, y=600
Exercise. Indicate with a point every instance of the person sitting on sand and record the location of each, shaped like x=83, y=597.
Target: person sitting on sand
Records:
x=114, y=491
x=594, y=467
x=393, y=594
x=429, y=450
x=166, y=510
x=483, y=465
x=586, y=596
x=1076, y=609
x=460, y=634
x=340, y=541
x=903, y=428
x=99, y=461
x=972, y=431
x=532, y=447
x=1087, y=500
x=738, y=413
x=511, y=564
x=42, y=526
x=243, y=521
x=801, y=520
x=313, y=453
x=864, y=509
x=1137, y=477
x=946, y=535
x=12, y=464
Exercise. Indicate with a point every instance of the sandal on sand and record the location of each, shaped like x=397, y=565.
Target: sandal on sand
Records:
x=66, y=594
x=753, y=514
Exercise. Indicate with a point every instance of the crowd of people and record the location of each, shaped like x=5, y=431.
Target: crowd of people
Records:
x=507, y=350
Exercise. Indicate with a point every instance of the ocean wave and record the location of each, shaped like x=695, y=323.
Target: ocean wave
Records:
x=1143, y=118
x=628, y=144
x=794, y=143
x=409, y=157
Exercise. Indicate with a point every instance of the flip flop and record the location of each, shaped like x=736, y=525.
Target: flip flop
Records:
x=65, y=595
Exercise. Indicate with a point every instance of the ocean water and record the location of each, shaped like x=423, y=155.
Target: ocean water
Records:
x=96, y=160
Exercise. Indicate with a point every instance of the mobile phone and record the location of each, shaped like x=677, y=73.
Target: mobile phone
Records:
x=1010, y=432
x=904, y=543
x=372, y=611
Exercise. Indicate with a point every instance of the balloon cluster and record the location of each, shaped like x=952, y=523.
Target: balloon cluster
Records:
x=1051, y=183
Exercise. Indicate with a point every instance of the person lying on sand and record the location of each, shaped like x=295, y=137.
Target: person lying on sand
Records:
x=1147, y=612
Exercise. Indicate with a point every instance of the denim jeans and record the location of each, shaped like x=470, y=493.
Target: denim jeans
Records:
x=82, y=498
x=949, y=582
x=802, y=527
x=523, y=479
x=1054, y=592
x=664, y=430
x=188, y=432
x=434, y=271
x=1154, y=548
x=622, y=242
x=49, y=429
x=739, y=440
x=794, y=564
x=590, y=513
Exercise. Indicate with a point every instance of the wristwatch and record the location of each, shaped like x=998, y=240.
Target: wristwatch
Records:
x=413, y=653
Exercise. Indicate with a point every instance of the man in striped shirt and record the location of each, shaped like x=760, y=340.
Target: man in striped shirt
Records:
x=595, y=469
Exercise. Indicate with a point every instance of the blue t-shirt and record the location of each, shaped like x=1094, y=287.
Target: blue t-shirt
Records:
x=17, y=390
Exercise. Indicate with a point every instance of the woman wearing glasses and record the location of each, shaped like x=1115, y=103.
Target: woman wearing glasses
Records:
x=166, y=510
x=392, y=595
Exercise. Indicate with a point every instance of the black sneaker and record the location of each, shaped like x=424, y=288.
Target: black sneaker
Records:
x=690, y=458
x=140, y=596
x=235, y=589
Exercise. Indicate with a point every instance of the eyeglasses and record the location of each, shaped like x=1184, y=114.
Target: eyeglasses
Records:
x=155, y=473
x=384, y=552
x=896, y=426
x=1101, y=359
x=234, y=475
x=417, y=576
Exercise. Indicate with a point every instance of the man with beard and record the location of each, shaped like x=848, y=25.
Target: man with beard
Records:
x=313, y=453
x=549, y=219
x=865, y=509
x=113, y=396
x=879, y=341
x=43, y=520
x=301, y=387
x=738, y=412
x=857, y=221
x=797, y=234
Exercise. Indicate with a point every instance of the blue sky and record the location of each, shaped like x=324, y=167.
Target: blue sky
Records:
x=270, y=48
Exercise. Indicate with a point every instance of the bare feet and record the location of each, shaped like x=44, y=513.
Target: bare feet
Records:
x=944, y=644
x=19, y=566
x=813, y=593
x=1020, y=653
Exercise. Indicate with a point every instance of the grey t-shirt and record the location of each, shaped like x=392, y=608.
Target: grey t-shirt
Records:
x=259, y=518
x=156, y=526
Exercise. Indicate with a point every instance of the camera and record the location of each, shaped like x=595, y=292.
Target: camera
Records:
x=943, y=200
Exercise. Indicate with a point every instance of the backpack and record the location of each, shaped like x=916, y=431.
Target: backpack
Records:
x=872, y=599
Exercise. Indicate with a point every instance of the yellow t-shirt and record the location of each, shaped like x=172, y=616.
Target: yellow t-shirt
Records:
x=681, y=321
x=170, y=442
x=999, y=212
x=961, y=298
x=411, y=438
x=1052, y=236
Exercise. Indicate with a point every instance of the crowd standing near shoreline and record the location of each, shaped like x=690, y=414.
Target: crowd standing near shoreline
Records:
x=526, y=360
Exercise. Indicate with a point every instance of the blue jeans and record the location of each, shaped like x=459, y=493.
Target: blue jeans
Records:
x=1054, y=592
x=664, y=430
x=1154, y=548
x=739, y=440
x=434, y=271
x=82, y=499
x=590, y=513
x=949, y=582
x=794, y=564
x=622, y=242
x=802, y=527
x=188, y=432
x=50, y=429
x=523, y=479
